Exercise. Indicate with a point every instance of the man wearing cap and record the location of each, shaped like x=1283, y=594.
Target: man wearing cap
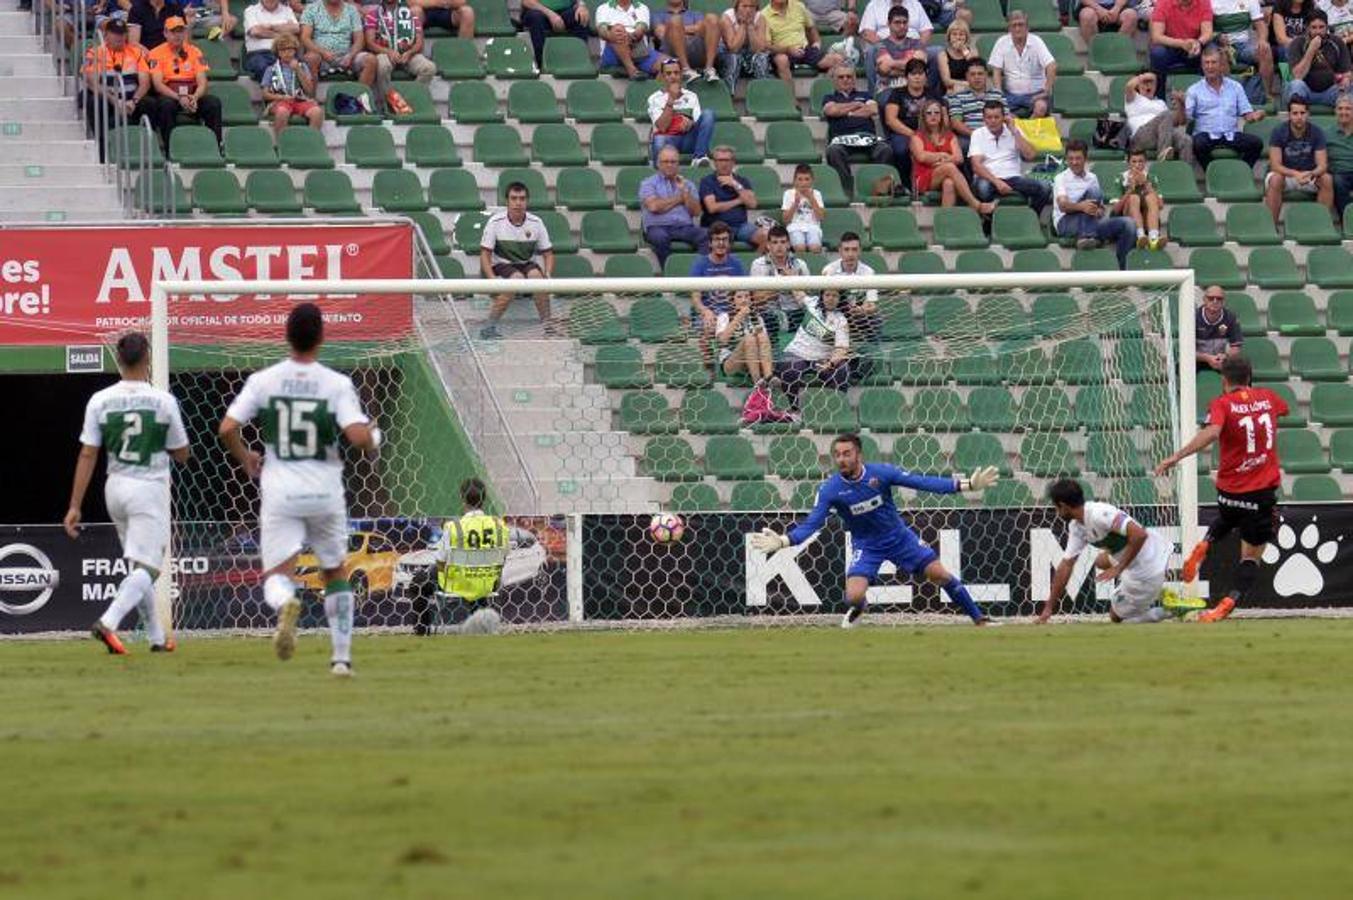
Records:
x=146, y=23
x=116, y=73
x=178, y=77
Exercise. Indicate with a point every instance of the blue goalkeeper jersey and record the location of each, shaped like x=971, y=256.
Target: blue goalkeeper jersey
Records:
x=866, y=505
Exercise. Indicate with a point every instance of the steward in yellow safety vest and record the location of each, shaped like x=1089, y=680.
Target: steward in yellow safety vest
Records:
x=473, y=548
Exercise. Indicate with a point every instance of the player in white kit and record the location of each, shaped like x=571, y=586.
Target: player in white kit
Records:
x=1128, y=552
x=141, y=427
x=302, y=408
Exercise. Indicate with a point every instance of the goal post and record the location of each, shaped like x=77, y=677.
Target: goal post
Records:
x=554, y=439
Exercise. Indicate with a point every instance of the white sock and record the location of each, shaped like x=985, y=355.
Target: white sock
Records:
x=338, y=610
x=1155, y=233
x=149, y=619
x=129, y=593
x=278, y=589
x=1141, y=232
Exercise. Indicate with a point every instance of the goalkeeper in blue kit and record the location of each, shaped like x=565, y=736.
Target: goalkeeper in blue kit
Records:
x=862, y=495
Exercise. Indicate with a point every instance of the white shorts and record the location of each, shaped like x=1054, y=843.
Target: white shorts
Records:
x=1135, y=593
x=140, y=512
x=283, y=535
x=803, y=235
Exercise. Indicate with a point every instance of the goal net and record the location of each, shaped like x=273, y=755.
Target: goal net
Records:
x=622, y=407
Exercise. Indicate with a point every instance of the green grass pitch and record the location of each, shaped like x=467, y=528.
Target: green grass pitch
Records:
x=1076, y=762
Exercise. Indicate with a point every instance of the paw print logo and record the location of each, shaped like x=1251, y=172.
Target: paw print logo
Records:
x=1299, y=573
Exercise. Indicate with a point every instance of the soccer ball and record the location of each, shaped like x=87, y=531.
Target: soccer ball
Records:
x=666, y=528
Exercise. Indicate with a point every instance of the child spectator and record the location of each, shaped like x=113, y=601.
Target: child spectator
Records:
x=803, y=212
x=1141, y=201
x=289, y=87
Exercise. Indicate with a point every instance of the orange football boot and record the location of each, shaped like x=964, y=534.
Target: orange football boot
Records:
x=1218, y=612
x=108, y=638
x=1196, y=556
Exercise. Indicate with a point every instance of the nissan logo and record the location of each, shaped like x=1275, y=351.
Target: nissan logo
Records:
x=23, y=580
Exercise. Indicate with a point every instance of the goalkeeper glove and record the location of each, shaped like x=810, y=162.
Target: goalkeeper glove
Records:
x=768, y=541
x=979, y=480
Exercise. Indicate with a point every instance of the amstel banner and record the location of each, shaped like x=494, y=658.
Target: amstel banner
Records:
x=68, y=285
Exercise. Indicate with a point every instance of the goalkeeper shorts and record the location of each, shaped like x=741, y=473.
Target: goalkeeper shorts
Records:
x=909, y=555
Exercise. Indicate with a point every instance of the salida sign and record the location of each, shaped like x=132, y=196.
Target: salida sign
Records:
x=60, y=286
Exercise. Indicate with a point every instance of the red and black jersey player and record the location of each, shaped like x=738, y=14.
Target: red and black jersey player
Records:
x=1245, y=420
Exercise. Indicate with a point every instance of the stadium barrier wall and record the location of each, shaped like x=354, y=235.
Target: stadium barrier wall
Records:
x=607, y=569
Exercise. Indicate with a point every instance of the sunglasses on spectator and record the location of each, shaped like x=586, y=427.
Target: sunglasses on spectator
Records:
x=1214, y=297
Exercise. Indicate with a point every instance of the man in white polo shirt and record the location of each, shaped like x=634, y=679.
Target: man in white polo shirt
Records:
x=995, y=153
x=1023, y=67
x=1078, y=208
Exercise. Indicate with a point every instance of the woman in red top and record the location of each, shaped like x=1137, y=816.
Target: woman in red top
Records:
x=935, y=161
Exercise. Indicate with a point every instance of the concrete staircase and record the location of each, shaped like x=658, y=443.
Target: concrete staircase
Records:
x=49, y=170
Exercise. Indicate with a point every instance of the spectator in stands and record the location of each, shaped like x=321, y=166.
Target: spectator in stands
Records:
x=834, y=16
x=1180, y=29
x=1297, y=160
x=692, y=37
x=885, y=63
x=543, y=18
x=937, y=162
x=707, y=306
x=966, y=106
x=178, y=77
x=1140, y=201
x=744, y=44
x=1078, y=207
x=1219, y=109
x=624, y=29
x=1240, y=28
x=116, y=74
x=515, y=244
x=995, y=152
x=957, y=56
x=264, y=21
x=779, y=262
x=820, y=349
x=744, y=342
x=1216, y=330
x=792, y=39
x=1024, y=69
x=1321, y=65
x=1339, y=144
x=860, y=307
x=394, y=34
x=289, y=87
x=803, y=212
x=677, y=118
x=726, y=198
x=902, y=116
x=146, y=21
x=335, y=42
x=852, y=127
x=1340, y=13
x=1100, y=15
x=670, y=206
x=874, y=21
x=1152, y=125
x=453, y=15
x=1290, y=18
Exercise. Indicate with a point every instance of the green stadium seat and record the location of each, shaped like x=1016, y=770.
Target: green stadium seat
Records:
x=220, y=65
x=979, y=366
x=592, y=320
x=352, y=89
x=897, y=324
x=1339, y=312
x=134, y=148
x=1008, y=494
x=867, y=175
x=790, y=143
x=882, y=409
x=1059, y=45
x=1139, y=361
x=938, y=409
x=669, y=458
x=827, y=411
x=454, y=190
x=817, y=94
x=1134, y=492
x=731, y=458
x=1293, y=313
x=647, y=412
x=1016, y=228
x=1216, y=265
x=1193, y=226
x=974, y=450
x=398, y=190
x=491, y=19
x=837, y=222
x=156, y=192
x=532, y=102
x=271, y=192
x=431, y=147
x=1084, y=130
x=469, y=229
x=1341, y=449
x=636, y=100
x=303, y=148
x=1003, y=317
x=510, y=58
x=708, y=412
x=473, y=103
x=652, y=319
x=1296, y=416
x=1047, y=456
x=714, y=96
x=1264, y=128
x=621, y=366
x=1176, y=182
x=1099, y=407
x=566, y=57
x=607, y=231
x=681, y=366
x=194, y=147
x=1330, y=267
x=1263, y=356
x=771, y=100
x=499, y=145
x=766, y=185
x=1024, y=363
x=1045, y=408
x=826, y=180
x=217, y=193
x=1247, y=312
x=581, y=189
x=1315, y=359
x=591, y=102
x=1231, y=181
x=1300, y=452
x=946, y=314
x=1142, y=260
x=1273, y=268
x=1078, y=362
x=978, y=262
x=694, y=498
x=448, y=267
x=1150, y=405
x=992, y=409
x=794, y=456
x=236, y=106
x=250, y=147
x=1315, y=489
x=561, y=235
x=895, y=229
x=1112, y=453
x=1098, y=259
x=921, y=262
x=1077, y=97
x=755, y=496
x=740, y=138
x=987, y=15
x=1251, y=224
x=616, y=144
x=330, y=192
x=915, y=362
x=424, y=108
x=370, y=147
x=958, y=228
x=804, y=496
x=433, y=232
x=535, y=186
x=1054, y=314
x=1309, y=224
x=458, y=59
x=1113, y=53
